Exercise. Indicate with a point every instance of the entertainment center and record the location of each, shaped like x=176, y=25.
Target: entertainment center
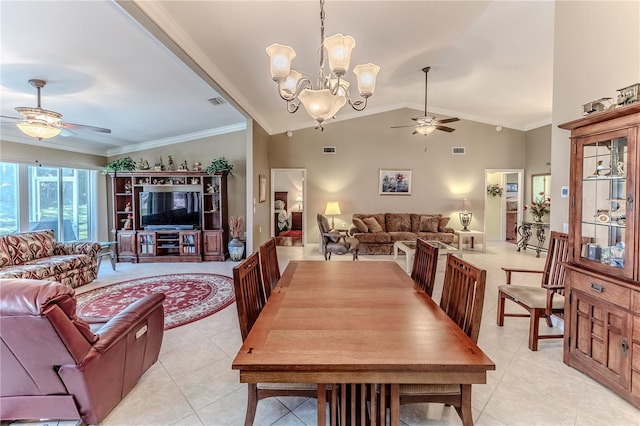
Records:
x=170, y=216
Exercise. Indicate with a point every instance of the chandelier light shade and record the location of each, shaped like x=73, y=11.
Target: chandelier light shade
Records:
x=425, y=130
x=465, y=214
x=332, y=209
x=331, y=92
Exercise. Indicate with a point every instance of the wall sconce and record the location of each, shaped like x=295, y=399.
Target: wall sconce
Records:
x=465, y=214
x=332, y=209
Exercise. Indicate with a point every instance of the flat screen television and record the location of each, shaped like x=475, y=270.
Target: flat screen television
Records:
x=170, y=209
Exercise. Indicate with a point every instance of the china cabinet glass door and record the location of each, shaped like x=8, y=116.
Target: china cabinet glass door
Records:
x=603, y=200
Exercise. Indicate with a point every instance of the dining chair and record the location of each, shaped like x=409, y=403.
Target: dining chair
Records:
x=425, y=262
x=269, y=266
x=250, y=300
x=462, y=300
x=543, y=301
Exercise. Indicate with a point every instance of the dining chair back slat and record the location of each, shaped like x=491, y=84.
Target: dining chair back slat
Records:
x=425, y=262
x=269, y=266
x=249, y=292
x=463, y=295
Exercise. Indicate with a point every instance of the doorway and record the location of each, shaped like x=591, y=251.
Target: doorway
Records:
x=288, y=188
x=504, y=212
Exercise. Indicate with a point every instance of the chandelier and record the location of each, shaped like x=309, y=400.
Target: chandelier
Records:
x=331, y=92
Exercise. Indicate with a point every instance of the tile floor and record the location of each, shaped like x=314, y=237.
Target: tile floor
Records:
x=193, y=383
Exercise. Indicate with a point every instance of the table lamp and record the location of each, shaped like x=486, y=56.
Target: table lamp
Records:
x=333, y=208
x=465, y=214
x=299, y=201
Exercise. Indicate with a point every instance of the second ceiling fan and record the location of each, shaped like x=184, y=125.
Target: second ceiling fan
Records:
x=426, y=124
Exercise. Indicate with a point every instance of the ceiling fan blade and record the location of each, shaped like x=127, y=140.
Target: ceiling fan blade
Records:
x=445, y=128
x=449, y=120
x=83, y=126
x=12, y=118
x=400, y=127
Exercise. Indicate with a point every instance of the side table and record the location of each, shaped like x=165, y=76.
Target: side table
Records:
x=106, y=249
x=471, y=234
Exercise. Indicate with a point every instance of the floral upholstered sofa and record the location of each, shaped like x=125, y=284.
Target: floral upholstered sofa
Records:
x=377, y=232
x=37, y=255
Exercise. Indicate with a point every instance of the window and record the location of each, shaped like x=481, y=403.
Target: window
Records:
x=56, y=198
x=9, y=206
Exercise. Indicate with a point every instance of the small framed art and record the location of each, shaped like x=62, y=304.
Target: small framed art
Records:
x=394, y=182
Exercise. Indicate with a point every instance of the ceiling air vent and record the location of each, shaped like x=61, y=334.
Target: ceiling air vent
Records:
x=328, y=149
x=458, y=150
x=217, y=101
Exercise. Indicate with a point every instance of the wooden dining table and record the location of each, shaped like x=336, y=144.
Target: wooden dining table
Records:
x=364, y=323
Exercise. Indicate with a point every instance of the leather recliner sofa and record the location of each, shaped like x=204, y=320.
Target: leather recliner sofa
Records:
x=55, y=365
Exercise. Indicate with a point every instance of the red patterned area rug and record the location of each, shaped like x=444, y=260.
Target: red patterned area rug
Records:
x=189, y=297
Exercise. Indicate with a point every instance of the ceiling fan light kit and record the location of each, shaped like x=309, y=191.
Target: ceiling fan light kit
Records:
x=428, y=123
x=42, y=123
x=331, y=92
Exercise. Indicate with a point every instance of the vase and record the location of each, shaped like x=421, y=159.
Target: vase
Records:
x=236, y=249
x=537, y=219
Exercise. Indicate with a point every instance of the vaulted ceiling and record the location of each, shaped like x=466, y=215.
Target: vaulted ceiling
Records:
x=147, y=70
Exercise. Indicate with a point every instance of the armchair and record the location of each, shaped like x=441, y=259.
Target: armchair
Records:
x=335, y=242
x=57, y=366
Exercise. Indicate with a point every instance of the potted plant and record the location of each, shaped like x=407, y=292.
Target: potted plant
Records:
x=220, y=165
x=539, y=207
x=236, y=246
x=125, y=164
x=494, y=190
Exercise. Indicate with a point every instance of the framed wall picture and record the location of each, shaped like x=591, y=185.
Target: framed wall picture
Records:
x=511, y=187
x=394, y=182
x=262, y=185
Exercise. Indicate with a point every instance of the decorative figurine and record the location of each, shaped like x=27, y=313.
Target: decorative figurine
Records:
x=128, y=222
x=143, y=165
x=619, y=168
x=127, y=187
x=172, y=166
x=184, y=166
x=210, y=189
x=197, y=167
x=127, y=208
x=159, y=166
x=195, y=181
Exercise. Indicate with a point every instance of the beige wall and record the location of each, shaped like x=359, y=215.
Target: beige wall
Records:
x=596, y=52
x=261, y=211
x=366, y=144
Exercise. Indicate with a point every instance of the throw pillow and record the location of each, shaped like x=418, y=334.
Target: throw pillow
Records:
x=372, y=224
x=334, y=235
x=442, y=223
x=429, y=224
x=360, y=225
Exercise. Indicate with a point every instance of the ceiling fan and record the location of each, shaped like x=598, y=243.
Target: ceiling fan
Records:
x=426, y=124
x=42, y=123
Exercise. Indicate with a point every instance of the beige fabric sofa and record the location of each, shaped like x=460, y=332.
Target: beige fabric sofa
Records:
x=37, y=255
x=399, y=227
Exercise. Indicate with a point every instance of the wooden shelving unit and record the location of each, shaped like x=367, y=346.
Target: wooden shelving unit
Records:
x=136, y=244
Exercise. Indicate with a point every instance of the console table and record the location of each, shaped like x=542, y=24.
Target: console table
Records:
x=526, y=229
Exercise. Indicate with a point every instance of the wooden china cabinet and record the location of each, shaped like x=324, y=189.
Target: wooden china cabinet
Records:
x=602, y=296
x=170, y=242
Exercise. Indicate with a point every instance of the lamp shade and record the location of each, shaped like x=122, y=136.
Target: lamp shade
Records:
x=321, y=104
x=38, y=129
x=367, y=75
x=426, y=129
x=339, y=49
x=333, y=208
x=465, y=206
x=280, y=58
x=290, y=84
